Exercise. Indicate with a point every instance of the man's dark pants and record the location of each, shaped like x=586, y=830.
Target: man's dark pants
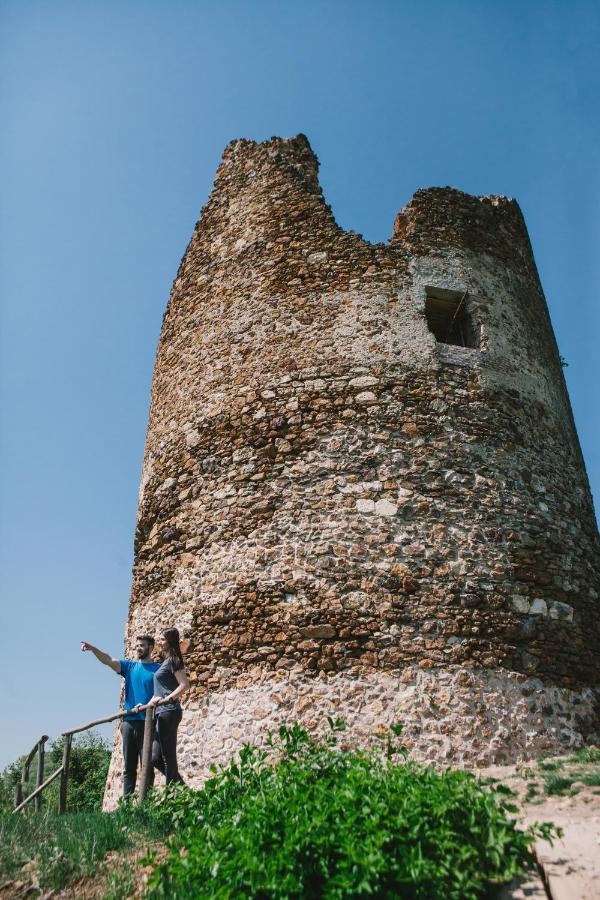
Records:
x=132, y=735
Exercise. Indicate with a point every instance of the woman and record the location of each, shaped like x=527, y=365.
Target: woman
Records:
x=170, y=682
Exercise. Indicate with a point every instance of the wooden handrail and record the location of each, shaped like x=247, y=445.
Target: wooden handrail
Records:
x=38, y=790
x=119, y=715
x=64, y=769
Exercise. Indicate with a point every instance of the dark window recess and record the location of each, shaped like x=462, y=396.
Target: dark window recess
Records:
x=448, y=319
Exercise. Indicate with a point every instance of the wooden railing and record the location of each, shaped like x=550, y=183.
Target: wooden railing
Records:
x=63, y=770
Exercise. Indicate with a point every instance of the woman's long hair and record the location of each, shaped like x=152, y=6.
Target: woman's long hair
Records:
x=171, y=636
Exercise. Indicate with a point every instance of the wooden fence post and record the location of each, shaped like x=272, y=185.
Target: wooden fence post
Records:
x=40, y=772
x=23, y=781
x=64, y=775
x=146, y=754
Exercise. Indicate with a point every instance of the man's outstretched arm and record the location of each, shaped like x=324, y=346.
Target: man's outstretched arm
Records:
x=103, y=657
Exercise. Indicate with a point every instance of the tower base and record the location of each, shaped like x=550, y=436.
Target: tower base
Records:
x=468, y=718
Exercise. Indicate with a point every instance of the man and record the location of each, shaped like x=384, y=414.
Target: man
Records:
x=139, y=683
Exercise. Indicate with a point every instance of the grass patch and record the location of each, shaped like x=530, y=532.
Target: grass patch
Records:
x=531, y=793
x=556, y=777
x=581, y=766
x=587, y=755
x=550, y=765
x=558, y=784
x=309, y=821
x=57, y=850
x=592, y=779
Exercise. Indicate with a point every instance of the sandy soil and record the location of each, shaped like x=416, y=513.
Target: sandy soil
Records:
x=571, y=867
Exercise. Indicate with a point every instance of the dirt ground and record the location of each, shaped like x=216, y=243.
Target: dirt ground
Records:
x=564, y=790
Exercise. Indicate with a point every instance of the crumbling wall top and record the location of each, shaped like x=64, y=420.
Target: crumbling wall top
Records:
x=445, y=217
x=280, y=177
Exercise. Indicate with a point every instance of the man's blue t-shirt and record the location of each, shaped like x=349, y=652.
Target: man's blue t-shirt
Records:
x=139, y=684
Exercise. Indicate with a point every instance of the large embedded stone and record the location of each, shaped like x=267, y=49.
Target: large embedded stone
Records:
x=318, y=631
x=538, y=607
x=520, y=603
x=385, y=508
x=561, y=611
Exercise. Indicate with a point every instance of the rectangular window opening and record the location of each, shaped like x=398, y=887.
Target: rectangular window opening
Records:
x=448, y=318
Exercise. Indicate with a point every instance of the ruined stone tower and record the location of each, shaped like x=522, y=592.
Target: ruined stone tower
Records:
x=362, y=492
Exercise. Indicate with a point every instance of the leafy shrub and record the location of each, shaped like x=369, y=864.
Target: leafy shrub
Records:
x=88, y=768
x=307, y=820
x=8, y=783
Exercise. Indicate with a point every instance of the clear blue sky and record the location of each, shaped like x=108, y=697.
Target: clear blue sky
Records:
x=113, y=118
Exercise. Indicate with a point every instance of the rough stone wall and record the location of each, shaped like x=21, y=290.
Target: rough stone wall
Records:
x=344, y=516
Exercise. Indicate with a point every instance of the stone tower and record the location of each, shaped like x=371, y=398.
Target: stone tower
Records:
x=363, y=493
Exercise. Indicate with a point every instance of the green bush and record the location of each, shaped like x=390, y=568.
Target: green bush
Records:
x=307, y=821
x=8, y=783
x=88, y=768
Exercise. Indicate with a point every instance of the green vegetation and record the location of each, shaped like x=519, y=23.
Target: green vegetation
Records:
x=88, y=769
x=50, y=851
x=562, y=775
x=531, y=792
x=587, y=755
x=308, y=820
x=302, y=819
x=557, y=784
